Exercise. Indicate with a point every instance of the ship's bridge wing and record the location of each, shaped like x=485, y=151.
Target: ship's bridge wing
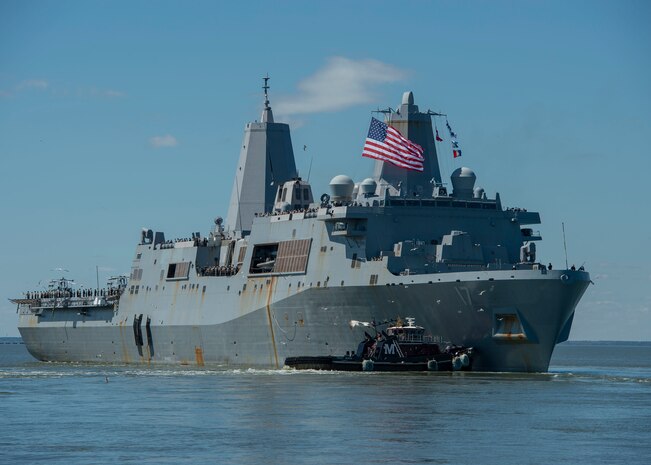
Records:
x=524, y=217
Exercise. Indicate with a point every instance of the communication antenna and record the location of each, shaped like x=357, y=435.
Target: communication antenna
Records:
x=565, y=246
x=266, y=88
x=239, y=209
x=309, y=171
x=271, y=170
x=97, y=275
x=387, y=110
x=266, y=107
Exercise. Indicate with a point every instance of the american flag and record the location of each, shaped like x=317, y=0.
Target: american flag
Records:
x=387, y=144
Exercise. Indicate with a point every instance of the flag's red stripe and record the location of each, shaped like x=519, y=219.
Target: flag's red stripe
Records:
x=374, y=147
x=401, y=148
x=393, y=162
x=414, y=147
x=389, y=156
x=397, y=149
x=417, y=150
x=405, y=151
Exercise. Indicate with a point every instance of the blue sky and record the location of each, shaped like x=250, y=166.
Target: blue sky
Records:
x=119, y=115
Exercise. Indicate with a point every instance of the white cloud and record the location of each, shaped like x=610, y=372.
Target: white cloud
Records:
x=92, y=92
x=114, y=93
x=40, y=84
x=610, y=303
x=341, y=83
x=163, y=141
x=25, y=85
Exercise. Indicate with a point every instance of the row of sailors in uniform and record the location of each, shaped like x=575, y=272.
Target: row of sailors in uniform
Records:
x=218, y=270
x=277, y=213
x=198, y=242
x=72, y=293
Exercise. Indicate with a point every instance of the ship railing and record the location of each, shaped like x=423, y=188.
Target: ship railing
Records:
x=311, y=212
x=184, y=242
x=107, y=293
x=433, y=339
x=447, y=202
x=449, y=267
x=496, y=266
x=65, y=299
x=69, y=303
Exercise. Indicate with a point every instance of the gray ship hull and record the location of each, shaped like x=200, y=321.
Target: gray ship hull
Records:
x=470, y=312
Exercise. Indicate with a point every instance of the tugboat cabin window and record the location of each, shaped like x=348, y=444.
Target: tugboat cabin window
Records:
x=407, y=334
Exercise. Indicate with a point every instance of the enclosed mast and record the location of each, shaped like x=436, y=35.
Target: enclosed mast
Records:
x=417, y=127
x=266, y=160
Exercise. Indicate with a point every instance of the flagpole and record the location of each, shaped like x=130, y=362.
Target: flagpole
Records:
x=564, y=245
x=446, y=168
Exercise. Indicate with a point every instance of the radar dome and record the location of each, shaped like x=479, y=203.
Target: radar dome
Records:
x=341, y=188
x=367, y=187
x=463, y=182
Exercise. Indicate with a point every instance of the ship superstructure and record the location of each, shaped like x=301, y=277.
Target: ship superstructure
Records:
x=284, y=274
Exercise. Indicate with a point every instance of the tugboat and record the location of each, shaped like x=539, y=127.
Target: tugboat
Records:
x=401, y=347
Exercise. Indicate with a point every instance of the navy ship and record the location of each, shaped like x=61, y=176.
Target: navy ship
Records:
x=285, y=274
